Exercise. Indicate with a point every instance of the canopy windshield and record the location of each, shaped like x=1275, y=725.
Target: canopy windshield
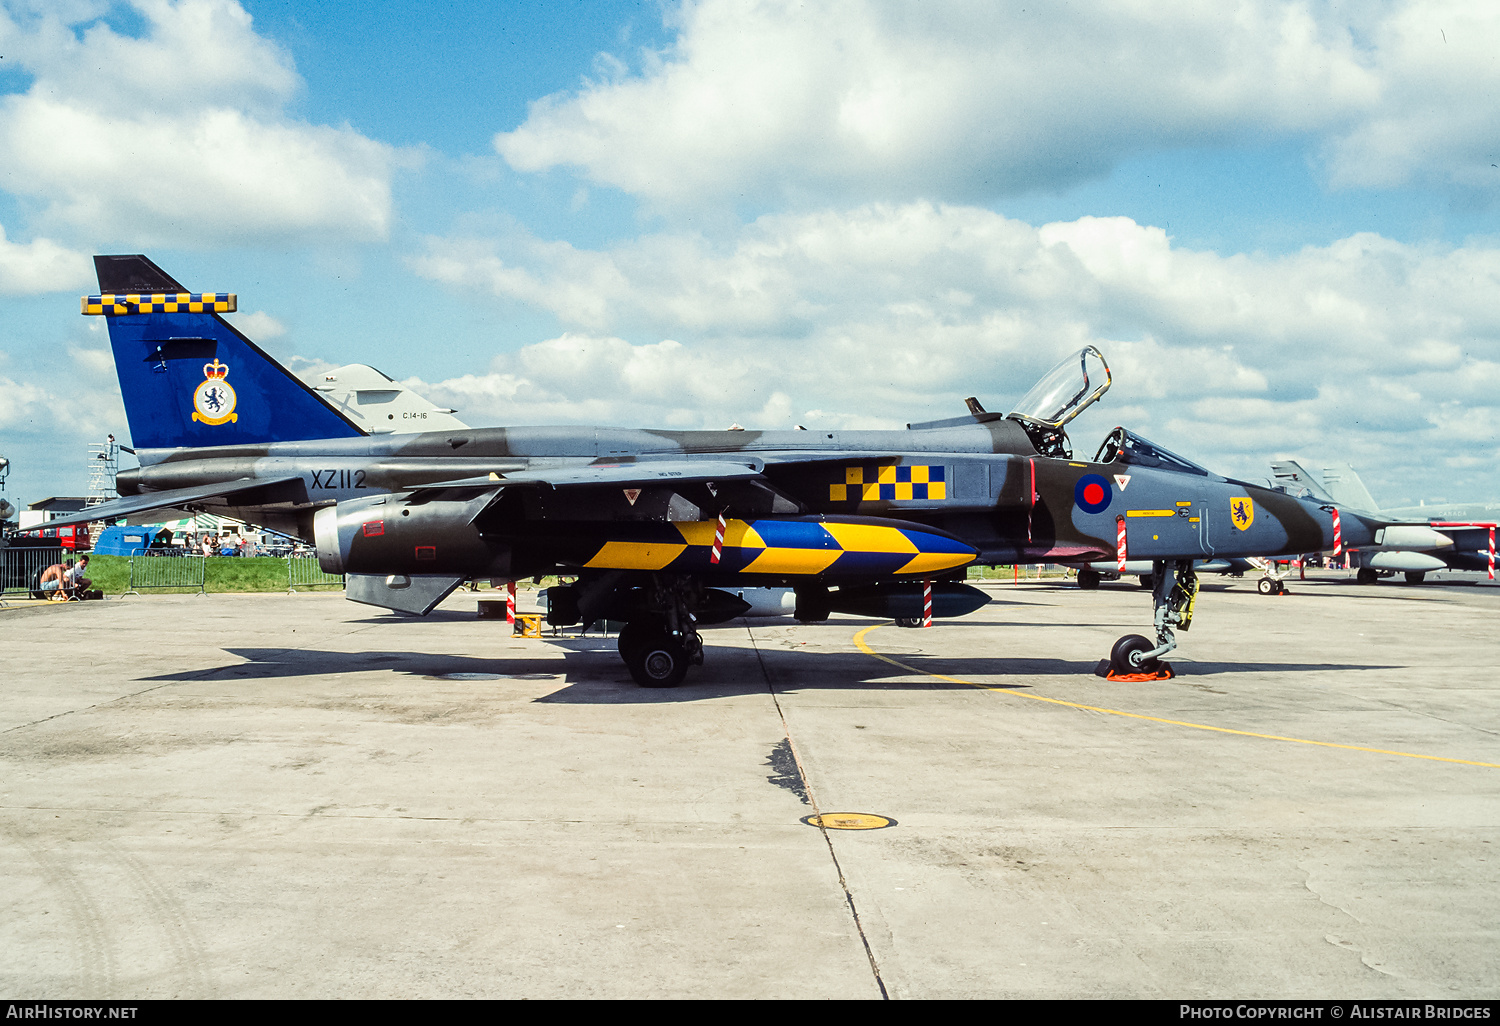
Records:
x=1065, y=391
x=1124, y=446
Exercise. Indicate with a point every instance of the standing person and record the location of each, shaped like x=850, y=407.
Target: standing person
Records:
x=208, y=545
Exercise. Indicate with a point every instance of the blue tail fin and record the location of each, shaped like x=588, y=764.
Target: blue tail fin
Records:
x=188, y=377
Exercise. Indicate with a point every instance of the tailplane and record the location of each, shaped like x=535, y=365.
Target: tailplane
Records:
x=188, y=377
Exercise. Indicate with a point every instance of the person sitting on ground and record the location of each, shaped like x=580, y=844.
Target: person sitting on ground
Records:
x=51, y=583
x=74, y=583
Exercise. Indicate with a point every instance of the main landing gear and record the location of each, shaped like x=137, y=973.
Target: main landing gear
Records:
x=1173, y=592
x=659, y=646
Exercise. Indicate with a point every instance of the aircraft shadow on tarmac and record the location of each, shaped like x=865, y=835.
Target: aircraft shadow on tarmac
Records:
x=591, y=671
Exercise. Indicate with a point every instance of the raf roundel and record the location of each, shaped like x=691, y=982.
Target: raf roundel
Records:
x=1092, y=493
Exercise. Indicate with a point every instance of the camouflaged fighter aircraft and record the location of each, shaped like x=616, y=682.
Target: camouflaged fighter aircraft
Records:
x=654, y=523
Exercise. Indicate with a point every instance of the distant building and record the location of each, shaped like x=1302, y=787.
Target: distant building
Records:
x=38, y=513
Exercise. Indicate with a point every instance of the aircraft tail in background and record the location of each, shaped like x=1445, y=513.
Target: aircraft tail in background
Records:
x=1292, y=476
x=1341, y=482
x=188, y=377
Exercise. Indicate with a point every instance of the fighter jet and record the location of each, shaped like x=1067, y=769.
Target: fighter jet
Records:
x=380, y=405
x=659, y=527
x=1417, y=539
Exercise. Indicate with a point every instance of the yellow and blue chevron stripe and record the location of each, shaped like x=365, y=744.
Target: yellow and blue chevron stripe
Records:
x=890, y=484
x=785, y=548
x=115, y=304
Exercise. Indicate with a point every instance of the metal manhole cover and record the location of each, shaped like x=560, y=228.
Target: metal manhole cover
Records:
x=849, y=821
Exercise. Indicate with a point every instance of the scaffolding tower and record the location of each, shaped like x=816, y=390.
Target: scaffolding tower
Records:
x=104, y=463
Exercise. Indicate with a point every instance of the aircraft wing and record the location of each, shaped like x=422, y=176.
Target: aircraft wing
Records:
x=250, y=491
x=645, y=472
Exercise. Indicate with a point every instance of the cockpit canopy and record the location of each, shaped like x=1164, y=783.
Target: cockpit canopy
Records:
x=1062, y=394
x=1127, y=447
x=1065, y=391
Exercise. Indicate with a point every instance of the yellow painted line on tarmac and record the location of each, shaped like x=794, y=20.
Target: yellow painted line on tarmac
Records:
x=863, y=646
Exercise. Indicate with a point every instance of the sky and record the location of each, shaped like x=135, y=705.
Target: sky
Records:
x=1279, y=221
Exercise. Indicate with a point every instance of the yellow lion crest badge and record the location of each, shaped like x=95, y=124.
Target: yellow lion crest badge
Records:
x=213, y=401
x=1241, y=512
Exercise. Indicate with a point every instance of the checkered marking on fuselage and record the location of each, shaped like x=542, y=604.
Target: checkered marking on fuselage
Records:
x=786, y=547
x=118, y=304
x=890, y=484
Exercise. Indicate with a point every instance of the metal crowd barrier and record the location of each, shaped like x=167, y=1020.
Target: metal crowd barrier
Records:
x=185, y=572
x=304, y=572
x=18, y=566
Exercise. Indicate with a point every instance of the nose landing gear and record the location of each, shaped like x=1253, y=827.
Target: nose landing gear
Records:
x=1174, y=591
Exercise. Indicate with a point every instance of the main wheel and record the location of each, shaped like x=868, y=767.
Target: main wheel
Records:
x=908, y=621
x=1415, y=576
x=1128, y=655
x=1365, y=576
x=1088, y=579
x=1265, y=586
x=632, y=636
x=658, y=660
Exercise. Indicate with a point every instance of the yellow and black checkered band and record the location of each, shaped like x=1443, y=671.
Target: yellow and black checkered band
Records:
x=890, y=484
x=117, y=304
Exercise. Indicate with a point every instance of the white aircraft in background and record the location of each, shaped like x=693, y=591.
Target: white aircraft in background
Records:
x=1446, y=536
x=379, y=404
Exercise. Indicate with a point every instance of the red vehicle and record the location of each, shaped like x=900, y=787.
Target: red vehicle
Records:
x=73, y=539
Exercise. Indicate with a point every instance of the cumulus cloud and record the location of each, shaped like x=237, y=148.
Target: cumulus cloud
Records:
x=23, y=404
x=41, y=266
x=957, y=100
x=584, y=378
x=258, y=326
x=881, y=314
x=179, y=136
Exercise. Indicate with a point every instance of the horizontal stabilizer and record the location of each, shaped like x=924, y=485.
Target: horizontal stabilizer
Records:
x=246, y=491
x=416, y=594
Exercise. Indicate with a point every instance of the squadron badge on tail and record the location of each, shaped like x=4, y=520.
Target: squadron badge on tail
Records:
x=214, y=399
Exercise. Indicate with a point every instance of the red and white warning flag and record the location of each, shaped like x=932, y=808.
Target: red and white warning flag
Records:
x=510, y=602
x=1120, y=544
x=713, y=557
x=1492, y=552
x=927, y=603
x=1338, y=534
